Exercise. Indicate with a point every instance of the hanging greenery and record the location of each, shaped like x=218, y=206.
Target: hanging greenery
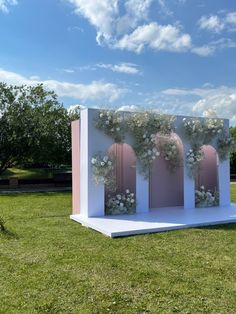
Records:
x=144, y=126
x=202, y=131
x=226, y=145
x=169, y=149
x=193, y=158
x=111, y=123
x=103, y=170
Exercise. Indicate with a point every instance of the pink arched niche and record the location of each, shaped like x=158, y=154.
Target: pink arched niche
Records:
x=207, y=175
x=166, y=188
x=125, y=172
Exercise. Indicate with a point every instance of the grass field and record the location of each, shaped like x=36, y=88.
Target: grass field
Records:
x=49, y=264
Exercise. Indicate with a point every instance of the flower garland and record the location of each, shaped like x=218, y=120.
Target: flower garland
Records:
x=200, y=132
x=170, y=151
x=193, y=159
x=103, y=170
x=121, y=204
x=206, y=198
x=226, y=145
x=144, y=127
x=111, y=123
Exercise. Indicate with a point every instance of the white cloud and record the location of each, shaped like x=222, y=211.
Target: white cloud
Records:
x=210, y=48
x=96, y=90
x=157, y=37
x=218, y=23
x=211, y=23
x=100, y=13
x=231, y=18
x=4, y=5
x=204, y=101
x=130, y=108
x=123, y=30
x=126, y=68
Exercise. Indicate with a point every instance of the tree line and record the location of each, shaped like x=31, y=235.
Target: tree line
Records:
x=35, y=128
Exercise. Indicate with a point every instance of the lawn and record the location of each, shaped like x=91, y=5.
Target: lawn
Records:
x=50, y=264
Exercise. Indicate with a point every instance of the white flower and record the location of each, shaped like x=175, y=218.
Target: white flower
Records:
x=117, y=129
x=112, y=130
x=109, y=163
x=93, y=161
x=121, y=204
x=105, y=158
x=191, y=159
x=132, y=201
x=102, y=163
x=132, y=194
x=118, y=196
x=107, y=122
x=190, y=150
x=101, y=115
x=127, y=191
x=144, y=135
x=149, y=152
x=202, y=187
x=157, y=154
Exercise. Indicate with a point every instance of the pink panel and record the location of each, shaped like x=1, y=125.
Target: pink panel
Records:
x=76, y=166
x=208, y=174
x=125, y=167
x=166, y=188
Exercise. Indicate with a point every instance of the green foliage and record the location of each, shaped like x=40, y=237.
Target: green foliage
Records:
x=34, y=126
x=111, y=123
x=58, y=266
x=144, y=126
x=233, y=154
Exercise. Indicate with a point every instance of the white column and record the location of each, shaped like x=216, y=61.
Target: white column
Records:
x=92, y=194
x=142, y=192
x=224, y=182
x=189, y=185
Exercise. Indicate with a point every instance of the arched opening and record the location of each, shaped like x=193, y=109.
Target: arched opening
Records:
x=207, y=177
x=125, y=170
x=166, y=186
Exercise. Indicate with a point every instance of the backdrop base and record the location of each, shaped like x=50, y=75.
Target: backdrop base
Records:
x=158, y=220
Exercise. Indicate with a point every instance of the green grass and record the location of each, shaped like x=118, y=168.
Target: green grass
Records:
x=50, y=264
x=34, y=173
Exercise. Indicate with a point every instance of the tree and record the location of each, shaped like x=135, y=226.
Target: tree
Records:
x=34, y=126
x=233, y=155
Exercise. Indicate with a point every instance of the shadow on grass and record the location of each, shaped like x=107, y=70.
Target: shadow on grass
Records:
x=9, y=234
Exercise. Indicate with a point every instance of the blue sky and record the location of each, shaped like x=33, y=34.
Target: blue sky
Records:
x=175, y=55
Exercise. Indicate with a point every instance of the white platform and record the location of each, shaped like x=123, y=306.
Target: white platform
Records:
x=157, y=220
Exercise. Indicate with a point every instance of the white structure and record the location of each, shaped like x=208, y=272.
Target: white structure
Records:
x=89, y=198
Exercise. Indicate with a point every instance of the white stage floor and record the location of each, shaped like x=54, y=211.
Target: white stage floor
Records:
x=157, y=220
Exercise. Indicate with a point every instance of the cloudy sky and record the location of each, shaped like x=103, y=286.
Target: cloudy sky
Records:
x=176, y=55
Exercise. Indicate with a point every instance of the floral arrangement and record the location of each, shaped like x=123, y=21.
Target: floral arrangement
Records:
x=193, y=159
x=200, y=132
x=111, y=123
x=144, y=127
x=103, y=170
x=169, y=149
x=121, y=204
x=226, y=145
x=205, y=198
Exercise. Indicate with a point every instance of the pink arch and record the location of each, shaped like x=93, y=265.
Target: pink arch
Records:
x=125, y=171
x=166, y=188
x=208, y=172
